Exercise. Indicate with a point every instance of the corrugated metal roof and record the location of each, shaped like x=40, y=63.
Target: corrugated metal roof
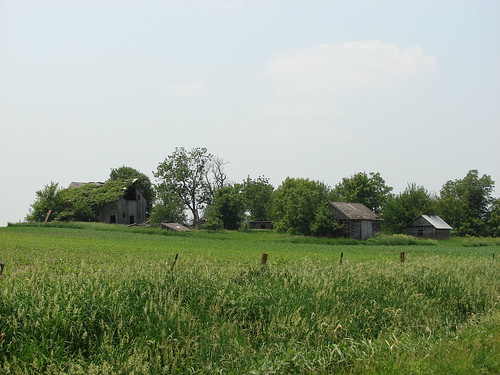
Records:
x=175, y=226
x=356, y=211
x=436, y=222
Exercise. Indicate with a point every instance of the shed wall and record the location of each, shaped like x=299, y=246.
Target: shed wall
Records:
x=124, y=211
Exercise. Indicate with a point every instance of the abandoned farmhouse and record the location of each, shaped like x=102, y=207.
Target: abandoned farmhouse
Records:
x=125, y=206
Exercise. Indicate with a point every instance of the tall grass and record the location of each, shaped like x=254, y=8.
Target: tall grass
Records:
x=83, y=303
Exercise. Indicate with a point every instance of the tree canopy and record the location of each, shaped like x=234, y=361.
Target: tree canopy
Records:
x=258, y=194
x=228, y=207
x=369, y=189
x=403, y=209
x=184, y=174
x=47, y=199
x=297, y=204
x=466, y=203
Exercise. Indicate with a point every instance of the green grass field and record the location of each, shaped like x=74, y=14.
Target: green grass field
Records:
x=105, y=299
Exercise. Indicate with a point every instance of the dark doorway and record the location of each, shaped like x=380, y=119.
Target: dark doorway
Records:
x=112, y=219
x=132, y=219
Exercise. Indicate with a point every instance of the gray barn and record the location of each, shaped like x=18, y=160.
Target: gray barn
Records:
x=358, y=221
x=430, y=226
x=128, y=206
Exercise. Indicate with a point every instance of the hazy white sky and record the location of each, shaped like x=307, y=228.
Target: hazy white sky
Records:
x=317, y=89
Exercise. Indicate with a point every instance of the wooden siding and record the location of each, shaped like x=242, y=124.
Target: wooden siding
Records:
x=421, y=228
x=358, y=229
x=124, y=211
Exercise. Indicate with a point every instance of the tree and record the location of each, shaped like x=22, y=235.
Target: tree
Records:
x=257, y=194
x=402, y=210
x=493, y=222
x=143, y=184
x=228, y=207
x=297, y=203
x=370, y=190
x=168, y=208
x=465, y=204
x=215, y=175
x=49, y=198
x=183, y=173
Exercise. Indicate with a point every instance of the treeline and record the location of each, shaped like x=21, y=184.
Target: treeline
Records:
x=195, y=181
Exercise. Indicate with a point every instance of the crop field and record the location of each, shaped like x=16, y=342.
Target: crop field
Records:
x=106, y=299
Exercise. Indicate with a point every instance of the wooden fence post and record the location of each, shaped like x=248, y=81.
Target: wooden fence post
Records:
x=341, y=256
x=2, y=266
x=402, y=257
x=263, y=260
x=175, y=261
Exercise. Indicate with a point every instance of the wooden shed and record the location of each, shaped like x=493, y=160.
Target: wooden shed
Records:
x=358, y=221
x=430, y=226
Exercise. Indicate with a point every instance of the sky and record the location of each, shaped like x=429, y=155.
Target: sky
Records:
x=313, y=89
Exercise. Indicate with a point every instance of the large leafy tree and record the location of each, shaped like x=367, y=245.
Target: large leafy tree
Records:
x=48, y=198
x=257, y=194
x=297, y=204
x=403, y=209
x=168, y=208
x=184, y=174
x=369, y=189
x=228, y=207
x=143, y=183
x=466, y=203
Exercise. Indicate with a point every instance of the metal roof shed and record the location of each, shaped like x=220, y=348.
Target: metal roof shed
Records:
x=430, y=226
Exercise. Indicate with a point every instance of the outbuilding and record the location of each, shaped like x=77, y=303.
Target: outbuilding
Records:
x=118, y=202
x=358, y=221
x=430, y=226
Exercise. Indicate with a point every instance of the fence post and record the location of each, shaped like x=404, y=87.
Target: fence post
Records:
x=341, y=256
x=263, y=260
x=175, y=261
x=2, y=266
x=402, y=257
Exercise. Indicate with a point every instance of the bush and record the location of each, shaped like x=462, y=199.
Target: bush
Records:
x=398, y=240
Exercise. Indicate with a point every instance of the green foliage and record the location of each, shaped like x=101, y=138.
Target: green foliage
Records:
x=493, y=221
x=402, y=210
x=298, y=206
x=323, y=224
x=398, y=240
x=143, y=183
x=49, y=198
x=183, y=173
x=213, y=222
x=228, y=207
x=258, y=195
x=465, y=204
x=370, y=190
x=81, y=203
x=168, y=208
